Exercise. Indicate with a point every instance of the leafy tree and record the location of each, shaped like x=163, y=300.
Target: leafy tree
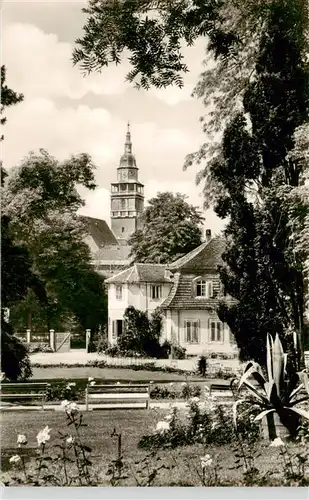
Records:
x=16, y=275
x=263, y=272
x=169, y=228
x=257, y=85
x=8, y=96
x=141, y=334
x=41, y=199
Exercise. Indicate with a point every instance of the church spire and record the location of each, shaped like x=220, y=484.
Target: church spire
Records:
x=128, y=143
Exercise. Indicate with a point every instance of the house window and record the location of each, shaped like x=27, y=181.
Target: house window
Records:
x=216, y=331
x=204, y=289
x=122, y=229
x=119, y=292
x=192, y=332
x=156, y=292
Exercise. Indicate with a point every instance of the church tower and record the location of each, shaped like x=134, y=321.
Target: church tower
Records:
x=127, y=194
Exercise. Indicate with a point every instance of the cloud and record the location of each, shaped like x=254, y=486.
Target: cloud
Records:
x=44, y=66
x=53, y=117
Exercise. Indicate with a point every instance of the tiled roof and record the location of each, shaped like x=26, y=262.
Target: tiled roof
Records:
x=182, y=294
x=202, y=261
x=100, y=232
x=113, y=253
x=142, y=273
x=205, y=256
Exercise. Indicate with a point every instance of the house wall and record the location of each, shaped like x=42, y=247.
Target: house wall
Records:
x=137, y=295
x=175, y=331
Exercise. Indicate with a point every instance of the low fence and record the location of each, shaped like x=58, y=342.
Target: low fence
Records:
x=56, y=341
x=33, y=337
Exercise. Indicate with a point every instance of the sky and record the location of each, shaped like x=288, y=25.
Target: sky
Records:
x=67, y=113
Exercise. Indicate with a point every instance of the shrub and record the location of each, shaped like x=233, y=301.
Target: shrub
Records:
x=162, y=392
x=39, y=347
x=211, y=426
x=92, y=346
x=15, y=362
x=113, y=351
x=202, y=365
x=96, y=363
x=179, y=352
x=190, y=391
x=102, y=345
x=65, y=390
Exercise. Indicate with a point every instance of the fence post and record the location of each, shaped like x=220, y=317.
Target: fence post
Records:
x=52, y=339
x=28, y=336
x=88, y=335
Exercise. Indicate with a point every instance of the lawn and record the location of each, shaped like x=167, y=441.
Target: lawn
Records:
x=108, y=374
x=132, y=424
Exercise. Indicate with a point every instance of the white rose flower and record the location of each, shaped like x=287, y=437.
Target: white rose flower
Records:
x=72, y=384
x=90, y=379
x=171, y=384
x=70, y=440
x=92, y=383
x=21, y=439
x=183, y=384
x=43, y=436
x=277, y=442
x=168, y=418
x=151, y=382
x=72, y=409
x=15, y=459
x=206, y=461
x=162, y=426
x=195, y=399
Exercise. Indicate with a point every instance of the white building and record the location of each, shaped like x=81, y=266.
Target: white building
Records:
x=187, y=291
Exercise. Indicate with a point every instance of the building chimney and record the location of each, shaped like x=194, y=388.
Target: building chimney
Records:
x=208, y=235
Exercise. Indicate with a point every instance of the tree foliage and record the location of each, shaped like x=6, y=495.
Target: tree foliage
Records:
x=141, y=335
x=41, y=200
x=8, y=96
x=150, y=33
x=258, y=175
x=256, y=90
x=16, y=275
x=169, y=228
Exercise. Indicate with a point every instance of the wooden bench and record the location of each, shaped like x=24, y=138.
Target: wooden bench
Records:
x=221, y=386
x=24, y=391
x=118, y=395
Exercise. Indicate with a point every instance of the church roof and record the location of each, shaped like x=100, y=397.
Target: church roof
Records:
x=118, y=254
x=99, y=231
x=142, y=273
x=128, y=158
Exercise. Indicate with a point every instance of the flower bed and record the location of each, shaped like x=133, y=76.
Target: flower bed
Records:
x=86, y=452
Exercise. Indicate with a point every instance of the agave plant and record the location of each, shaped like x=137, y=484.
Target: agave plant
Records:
x=276, y=394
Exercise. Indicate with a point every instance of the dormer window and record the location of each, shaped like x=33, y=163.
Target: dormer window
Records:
x=204, y=288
